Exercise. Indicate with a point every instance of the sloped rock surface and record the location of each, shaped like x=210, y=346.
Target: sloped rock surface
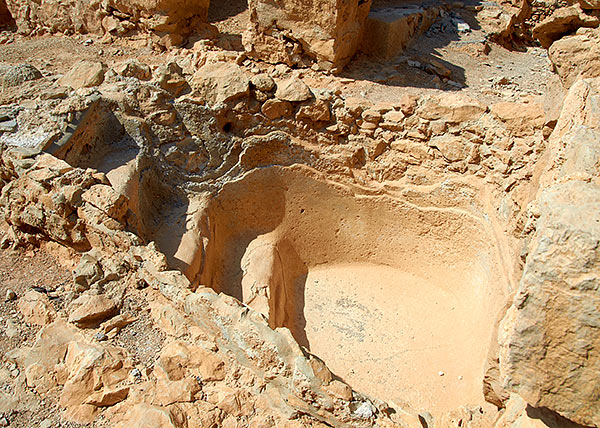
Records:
x=576, y=56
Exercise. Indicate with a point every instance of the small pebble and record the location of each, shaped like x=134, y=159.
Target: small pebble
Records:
x=460, y=378
x=4, y=422
x=46, y=423
x=136, y=373
x=441, y=373
x=100, y=336
x=10, y=295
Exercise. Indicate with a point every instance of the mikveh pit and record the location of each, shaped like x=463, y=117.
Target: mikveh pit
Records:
x=398, y=291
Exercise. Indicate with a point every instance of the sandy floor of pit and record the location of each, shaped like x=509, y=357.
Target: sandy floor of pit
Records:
x=390, y=333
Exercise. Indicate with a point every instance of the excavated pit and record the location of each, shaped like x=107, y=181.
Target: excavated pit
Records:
x=399, y=295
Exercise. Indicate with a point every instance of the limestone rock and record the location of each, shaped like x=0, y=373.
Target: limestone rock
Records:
x=220, y=82
x=263, y=82
x=107, y=199
x=87, y=271
x=453, y=108
x=179, y=360
x=36, y=308
x=15, y=75
x=56, y=16
x=563, y=21
x=92, y=309
x=134, y=68
x=147, y=416
x=84, y=74
x=293, y=89
x=453, y=148
x=576, y=56
x=274, y=109
x=93, y=373
x=170, y=77
x=317, y=111
x=328, y=31
x=389, y=30
x=549, y=336
x=521, y=119
x=44, y=363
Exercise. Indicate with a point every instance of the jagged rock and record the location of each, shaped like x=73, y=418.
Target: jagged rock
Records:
x=107, y=199
x=87, y=271
x=170, y=77
x=521, y=119
x=179, y=360
x=15, y=75
x=93, y=373
x=220, y=82
x=453, y=108
x=317, y=111
x=92, y=309
x=274, y=109
x=84, y=74
x=563, y=21
x=576, y=56
x=147, y=416
x=10, y=295
x=549, y=336
x=453, y=148
x=293, y=89
x=263, y=82
x=36, y=308
x=45, y=361
x=55, y=16
x=328, y=31
x=134, y=68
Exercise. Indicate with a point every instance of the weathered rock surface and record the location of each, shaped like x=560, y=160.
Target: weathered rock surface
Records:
x=293, y=90
x=390, y=30
x=84, y=74
x=327, y=31
x=576, y=56
x=550, y=333
x=172, y=20
x=36, y=308
x=549, y=342
x=220, y=82
x=92, y=309
x=15, y=75
x=563, y=21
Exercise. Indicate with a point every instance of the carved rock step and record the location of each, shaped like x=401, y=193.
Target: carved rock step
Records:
x=389, y=30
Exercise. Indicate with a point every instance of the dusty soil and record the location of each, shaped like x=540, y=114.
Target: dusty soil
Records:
x=397, y=335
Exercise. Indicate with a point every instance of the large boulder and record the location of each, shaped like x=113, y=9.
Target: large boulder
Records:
x=220, y=82
x=326, y=31
x=563, y=21
x=549, y=342
x=576, y=56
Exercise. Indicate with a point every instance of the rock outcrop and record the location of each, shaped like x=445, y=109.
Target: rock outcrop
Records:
x=169, y=20
x=549, y=337
x=576, y=56
x=327, y=32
